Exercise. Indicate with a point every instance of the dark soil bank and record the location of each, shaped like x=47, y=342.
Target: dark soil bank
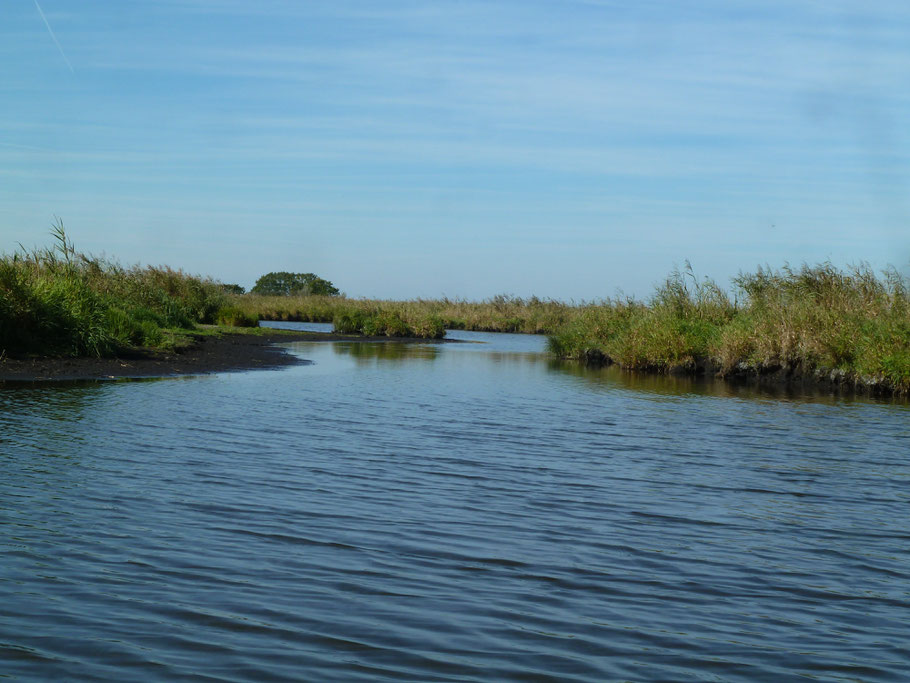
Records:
x=209, y=354
x=794, y=377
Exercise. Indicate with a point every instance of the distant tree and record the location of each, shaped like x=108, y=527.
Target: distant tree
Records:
x=286, y=284
x=232, y=289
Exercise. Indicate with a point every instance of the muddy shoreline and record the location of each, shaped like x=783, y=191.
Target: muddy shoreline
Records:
x=792, y=378
x=208, y=354
x=240, y=351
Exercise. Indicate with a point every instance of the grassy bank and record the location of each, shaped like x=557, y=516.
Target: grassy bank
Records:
x=60, y=302
x=499, y=314
x=818, y=323
x=57, y=301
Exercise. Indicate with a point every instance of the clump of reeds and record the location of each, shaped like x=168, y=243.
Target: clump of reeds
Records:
x=47, y=302
x=674, y=331
x=822, y=320
x=848, y=327
x=59, y=301
x=233, y=316
x=387, y=323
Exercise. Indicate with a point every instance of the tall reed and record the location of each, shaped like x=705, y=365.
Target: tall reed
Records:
x=59, y=301
x=845, y=326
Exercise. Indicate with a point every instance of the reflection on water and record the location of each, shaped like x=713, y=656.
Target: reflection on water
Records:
x=367, y=352
x=613, y=377
x=472, y=511
x=530, y=350
x=30, y=413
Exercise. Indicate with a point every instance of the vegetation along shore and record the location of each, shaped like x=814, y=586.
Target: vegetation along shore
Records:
x=822, y=325
x=502, y=313
x=60, y=302
x=848, y=329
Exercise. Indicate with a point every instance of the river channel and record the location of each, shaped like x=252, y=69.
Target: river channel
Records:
x=450, y=512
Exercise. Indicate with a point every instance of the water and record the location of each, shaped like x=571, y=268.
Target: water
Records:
x=444, y=512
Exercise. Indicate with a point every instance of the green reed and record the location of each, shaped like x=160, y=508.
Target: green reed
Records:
x=62, y=302
x=846, y=326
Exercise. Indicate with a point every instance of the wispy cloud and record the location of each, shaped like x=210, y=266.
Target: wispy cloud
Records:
x=685, y=121
x=54, y=37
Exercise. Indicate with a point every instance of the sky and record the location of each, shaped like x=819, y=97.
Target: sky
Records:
x=568, y=149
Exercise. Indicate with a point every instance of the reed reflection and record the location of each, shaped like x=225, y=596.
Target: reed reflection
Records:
x=368, y=353
x=613, y=377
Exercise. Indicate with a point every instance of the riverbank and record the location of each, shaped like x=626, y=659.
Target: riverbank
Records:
x=847, y=329
x=58, y=302
x=815, y=325
x=209, y=352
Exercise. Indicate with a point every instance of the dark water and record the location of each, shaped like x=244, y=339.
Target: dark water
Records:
x=450, y=512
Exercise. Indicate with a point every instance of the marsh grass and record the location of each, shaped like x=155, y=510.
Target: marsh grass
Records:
x=502, y=313
x=62, y=302
x=370, y=317
x=233, y=316
x=387, y=322
x=849, y=327
x=844, y=326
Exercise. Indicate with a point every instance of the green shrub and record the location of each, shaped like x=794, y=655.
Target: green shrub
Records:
x=429, y=327
x=288, y=284
x=349, y=321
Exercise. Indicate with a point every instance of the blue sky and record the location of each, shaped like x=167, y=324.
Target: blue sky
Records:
x=563, y=148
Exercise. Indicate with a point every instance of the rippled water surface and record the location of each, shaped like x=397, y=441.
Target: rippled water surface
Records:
x=468, y=511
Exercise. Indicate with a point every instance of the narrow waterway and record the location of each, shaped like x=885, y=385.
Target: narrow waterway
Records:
x=472, y=511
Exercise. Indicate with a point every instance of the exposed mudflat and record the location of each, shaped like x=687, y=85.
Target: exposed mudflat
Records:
x=209, y=354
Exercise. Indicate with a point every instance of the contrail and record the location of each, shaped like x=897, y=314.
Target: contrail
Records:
x=56, y=42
